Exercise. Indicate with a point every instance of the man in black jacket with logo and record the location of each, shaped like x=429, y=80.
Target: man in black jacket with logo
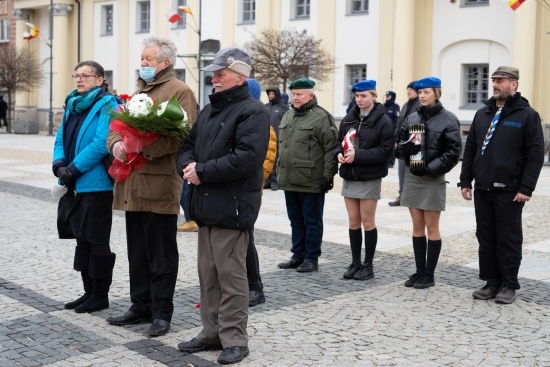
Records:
x=276, y=109
x=504, y=154
x=222, y=158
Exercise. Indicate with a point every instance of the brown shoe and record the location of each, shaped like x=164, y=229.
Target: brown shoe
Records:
x=397, y=202
x=505, y=295
x=485, y=293
x=190, y=226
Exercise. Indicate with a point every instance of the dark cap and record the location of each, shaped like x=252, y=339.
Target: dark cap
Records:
x=429, y=82
x=411, y=84
x=232, y=58
x=363, y=86
x=303, y=83
x=506, y=72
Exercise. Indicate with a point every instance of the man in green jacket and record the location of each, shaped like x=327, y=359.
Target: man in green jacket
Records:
x=305, y=171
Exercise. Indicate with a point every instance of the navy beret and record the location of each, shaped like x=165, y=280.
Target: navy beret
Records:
x=303, y=83
x=429, y=82
x=363, y=85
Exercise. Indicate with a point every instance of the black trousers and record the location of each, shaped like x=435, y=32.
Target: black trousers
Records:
x=153, y=257
x=253, y=265
x=500, y=236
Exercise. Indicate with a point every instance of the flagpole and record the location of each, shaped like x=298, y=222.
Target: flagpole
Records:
x=50, y=112
x=199, y=53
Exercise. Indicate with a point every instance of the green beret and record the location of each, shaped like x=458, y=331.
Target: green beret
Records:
x=303, y=83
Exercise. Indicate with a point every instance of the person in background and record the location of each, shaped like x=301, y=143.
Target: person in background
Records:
x=255, y=286
x=284, y=98
x=408, y=108
x=276, y=110
x=392, y=110
x=189, y=225
x=425, y=191
x=3, y=113
x=84, y=213
x=363, y=163
x=504, y=154
x=305, y=171
x=150, y=197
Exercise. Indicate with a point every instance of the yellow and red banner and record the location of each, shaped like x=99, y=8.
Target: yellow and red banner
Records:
x=514, y=4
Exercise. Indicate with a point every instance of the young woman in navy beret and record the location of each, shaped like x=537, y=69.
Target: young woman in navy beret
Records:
x=366, y=138
x=424, y=191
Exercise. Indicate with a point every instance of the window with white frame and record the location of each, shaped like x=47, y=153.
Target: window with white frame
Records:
x=302, y=8
x=143, y=16
x=476, y=85
x=355, y=73
x=4, y=30
x=474, y=2
x=249, y=11
x=180, y=74
x=108, y=77
x=358, y=6
x=107, y=20
x=183, y=21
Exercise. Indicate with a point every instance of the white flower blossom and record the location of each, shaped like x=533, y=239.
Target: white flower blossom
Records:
x=140, y=105
x=162, y=108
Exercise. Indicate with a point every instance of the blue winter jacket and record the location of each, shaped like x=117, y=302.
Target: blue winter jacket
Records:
x=89, y=148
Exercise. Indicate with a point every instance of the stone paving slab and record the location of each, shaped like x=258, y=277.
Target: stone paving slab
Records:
x=316, y=319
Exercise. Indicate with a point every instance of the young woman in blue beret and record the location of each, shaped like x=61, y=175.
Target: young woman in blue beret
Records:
x=424, y=191
x=366, y=138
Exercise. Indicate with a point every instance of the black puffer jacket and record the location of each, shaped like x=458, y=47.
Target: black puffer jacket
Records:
x=229, y=143
x=442, y=142
x=515, y=154
x=276, y=109
x=375, y=134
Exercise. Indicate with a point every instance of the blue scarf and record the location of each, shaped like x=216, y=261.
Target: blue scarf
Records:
x=76, y=102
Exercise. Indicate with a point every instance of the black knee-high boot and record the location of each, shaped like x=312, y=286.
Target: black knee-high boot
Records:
x=81, y=264
x=427, y=280
x=356, y=242
x=101, y=271
x=367, y=271
x=419, y=247
x=434, y=249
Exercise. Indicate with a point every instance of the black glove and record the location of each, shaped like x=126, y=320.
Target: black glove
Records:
x=411, y=148
x=420, y=171
x=65, y=176
x=326, y=184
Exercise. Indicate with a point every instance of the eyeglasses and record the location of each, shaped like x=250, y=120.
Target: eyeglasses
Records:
x=83, y=77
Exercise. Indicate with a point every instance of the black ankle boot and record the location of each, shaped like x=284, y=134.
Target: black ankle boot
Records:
x=101, y=271
x=88, y=284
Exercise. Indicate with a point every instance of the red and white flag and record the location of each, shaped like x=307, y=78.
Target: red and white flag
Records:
x=347, y=142
x=172, y=16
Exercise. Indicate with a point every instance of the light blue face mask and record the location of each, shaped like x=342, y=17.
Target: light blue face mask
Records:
x=147, y=73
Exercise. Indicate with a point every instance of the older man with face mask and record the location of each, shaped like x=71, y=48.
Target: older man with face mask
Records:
x=150, y=197
x=222, y=159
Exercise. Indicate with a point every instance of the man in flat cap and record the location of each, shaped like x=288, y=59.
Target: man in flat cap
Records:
x=305, y=171
x=504, y=154
x=222, y=159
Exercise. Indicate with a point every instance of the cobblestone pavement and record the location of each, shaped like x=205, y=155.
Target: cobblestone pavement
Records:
x=316, y=319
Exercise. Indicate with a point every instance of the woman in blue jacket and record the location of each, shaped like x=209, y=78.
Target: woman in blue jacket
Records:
x=84, y=211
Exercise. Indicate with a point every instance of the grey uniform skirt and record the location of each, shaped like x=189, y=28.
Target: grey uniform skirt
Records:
x=362, y=189
x=426, y=193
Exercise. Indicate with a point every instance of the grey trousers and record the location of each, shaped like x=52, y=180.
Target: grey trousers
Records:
x=224, y=286
x=401, y=167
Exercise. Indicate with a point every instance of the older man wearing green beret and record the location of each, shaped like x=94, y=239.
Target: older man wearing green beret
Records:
x=305, y=171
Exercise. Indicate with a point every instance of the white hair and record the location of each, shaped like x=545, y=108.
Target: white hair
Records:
x=166, y=48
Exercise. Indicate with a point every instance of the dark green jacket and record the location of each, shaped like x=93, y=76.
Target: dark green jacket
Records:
x=307, y=138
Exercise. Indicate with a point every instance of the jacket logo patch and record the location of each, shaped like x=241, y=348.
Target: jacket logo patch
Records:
x=276, y=111
x=512, y=123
